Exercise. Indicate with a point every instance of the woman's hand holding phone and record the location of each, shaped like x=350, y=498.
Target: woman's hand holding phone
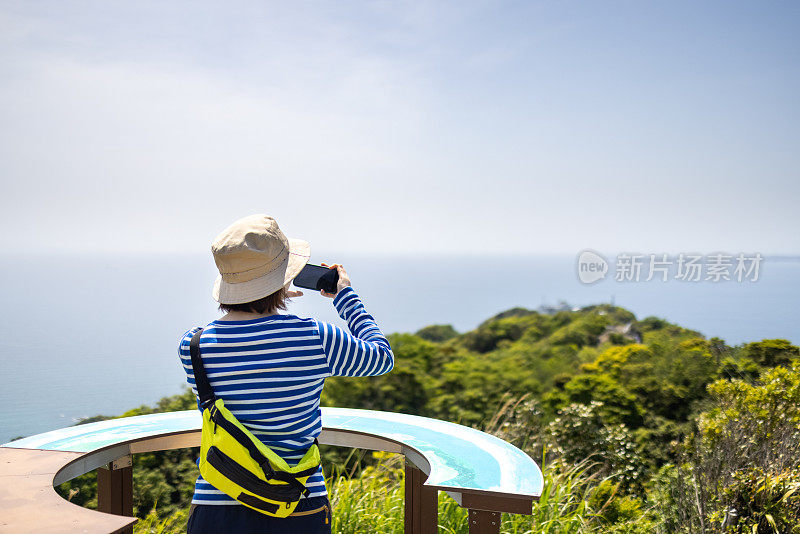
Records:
x=344, y=280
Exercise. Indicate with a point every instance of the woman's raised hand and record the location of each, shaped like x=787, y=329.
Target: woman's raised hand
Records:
x=344, y=280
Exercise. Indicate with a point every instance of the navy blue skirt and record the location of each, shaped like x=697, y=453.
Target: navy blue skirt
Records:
x=312, y=516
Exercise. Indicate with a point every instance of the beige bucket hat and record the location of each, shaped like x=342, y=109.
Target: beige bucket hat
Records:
x=255, y=259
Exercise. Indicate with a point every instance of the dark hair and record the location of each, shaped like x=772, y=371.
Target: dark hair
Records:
x=267, y=305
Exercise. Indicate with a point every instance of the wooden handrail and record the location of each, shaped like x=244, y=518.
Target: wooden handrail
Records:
x=29, y=503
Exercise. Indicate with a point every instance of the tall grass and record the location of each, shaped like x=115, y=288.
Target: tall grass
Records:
x=370, y=502
x=173, y=524
x=373, y=502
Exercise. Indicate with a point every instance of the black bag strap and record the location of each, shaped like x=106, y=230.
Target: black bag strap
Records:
x=204, y=391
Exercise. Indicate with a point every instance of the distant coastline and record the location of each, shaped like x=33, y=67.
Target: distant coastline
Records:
x=83, y=335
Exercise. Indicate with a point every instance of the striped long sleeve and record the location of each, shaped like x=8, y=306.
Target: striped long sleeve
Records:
x=364, y=351
x=270, y=373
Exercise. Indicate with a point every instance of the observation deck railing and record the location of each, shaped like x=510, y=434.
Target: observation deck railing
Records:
x=481, y=472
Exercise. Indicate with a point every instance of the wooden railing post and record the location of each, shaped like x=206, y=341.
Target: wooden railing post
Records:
x=421, y=506
x=115, y=489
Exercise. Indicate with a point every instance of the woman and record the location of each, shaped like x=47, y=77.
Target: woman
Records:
x=269, y=368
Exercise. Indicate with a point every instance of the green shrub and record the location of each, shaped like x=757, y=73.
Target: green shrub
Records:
x=761, y=502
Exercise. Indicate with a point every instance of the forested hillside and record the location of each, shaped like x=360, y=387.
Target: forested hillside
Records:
x=652, y=426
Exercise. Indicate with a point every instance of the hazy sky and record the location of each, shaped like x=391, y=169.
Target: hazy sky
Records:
x=397, y=127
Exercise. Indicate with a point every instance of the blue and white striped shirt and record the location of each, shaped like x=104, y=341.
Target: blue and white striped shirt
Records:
x=270, y=372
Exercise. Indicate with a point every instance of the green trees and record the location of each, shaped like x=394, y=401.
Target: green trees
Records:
x=406, y=389
x=771, y=352
x=741, y=471
x=437, y=333
x=669, y=431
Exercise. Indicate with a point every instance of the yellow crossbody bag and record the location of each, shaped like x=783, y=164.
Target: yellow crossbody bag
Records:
x=237, y=463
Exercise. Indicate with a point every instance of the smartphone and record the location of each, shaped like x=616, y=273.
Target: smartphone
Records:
x=317, y=277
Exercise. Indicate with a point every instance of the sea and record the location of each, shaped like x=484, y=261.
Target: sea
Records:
x=97, y=334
